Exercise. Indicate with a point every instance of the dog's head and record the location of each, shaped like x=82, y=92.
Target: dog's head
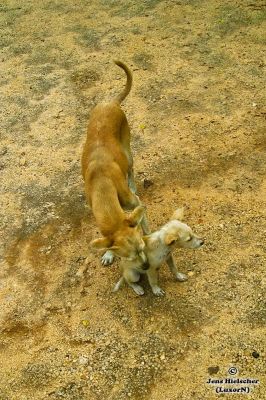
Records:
x=178, y=234
x=127, y=241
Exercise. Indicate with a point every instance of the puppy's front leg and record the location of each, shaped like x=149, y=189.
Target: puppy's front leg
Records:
x=152, y=273
x=178, y=275
x=132, y=276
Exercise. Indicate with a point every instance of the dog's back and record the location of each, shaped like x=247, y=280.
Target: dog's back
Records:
x=106, y=125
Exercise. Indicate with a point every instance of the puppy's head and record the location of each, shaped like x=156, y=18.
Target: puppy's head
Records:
x=127, y=241
x=178, y=234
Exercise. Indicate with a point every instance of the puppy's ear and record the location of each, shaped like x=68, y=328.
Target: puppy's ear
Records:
x=178, y=214
x=170, y=238
x=135, y=217
x=101, y=243
x=150, y=242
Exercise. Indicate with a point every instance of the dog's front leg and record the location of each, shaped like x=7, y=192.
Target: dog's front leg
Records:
x=178, y=275
x=108, y=258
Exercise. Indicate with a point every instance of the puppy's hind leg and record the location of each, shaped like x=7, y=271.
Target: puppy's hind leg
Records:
x=137, y=288
x=119, y=284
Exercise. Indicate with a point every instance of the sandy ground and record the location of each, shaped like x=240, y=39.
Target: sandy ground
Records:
x=197, y=116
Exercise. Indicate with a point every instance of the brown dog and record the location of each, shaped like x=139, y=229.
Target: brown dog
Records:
x=107, y=168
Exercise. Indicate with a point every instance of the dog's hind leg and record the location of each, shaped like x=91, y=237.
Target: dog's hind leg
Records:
x=130, y=173
x=144, y=222
x=131, y=181
x=130, y=201
x=125, y=140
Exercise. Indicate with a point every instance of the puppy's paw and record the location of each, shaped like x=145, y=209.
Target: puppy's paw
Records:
x=181, y=277
x=158, y=291
x=137, y=289
x=108, y=258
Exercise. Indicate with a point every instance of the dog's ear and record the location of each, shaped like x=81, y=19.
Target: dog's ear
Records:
x=170, y=239
x=114, y=248
x=101, y=243
x=178, y=214
x=136, y=216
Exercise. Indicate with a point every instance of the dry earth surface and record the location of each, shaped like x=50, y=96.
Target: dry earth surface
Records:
x=197, y=116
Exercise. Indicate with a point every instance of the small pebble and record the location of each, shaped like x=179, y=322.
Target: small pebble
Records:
x=255, y=354
x=22, y=162
x=83, y=360
x=213, y=370
x=147, y=183
x=3, y=151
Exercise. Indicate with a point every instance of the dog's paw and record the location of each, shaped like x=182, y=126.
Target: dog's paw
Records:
x=181, y=277
x=137, y=289
x=108, y=258
x=158, y=291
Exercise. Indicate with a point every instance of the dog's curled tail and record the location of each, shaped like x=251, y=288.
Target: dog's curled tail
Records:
x=127, y=88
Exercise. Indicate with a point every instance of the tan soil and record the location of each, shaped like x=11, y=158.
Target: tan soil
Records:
x=197, y=115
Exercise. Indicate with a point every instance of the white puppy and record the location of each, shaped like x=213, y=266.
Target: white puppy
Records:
x=159, y=247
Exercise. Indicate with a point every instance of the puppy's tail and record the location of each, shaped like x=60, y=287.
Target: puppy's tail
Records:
x=127, y=88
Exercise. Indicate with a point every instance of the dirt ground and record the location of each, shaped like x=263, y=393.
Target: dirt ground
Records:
x=197, y=117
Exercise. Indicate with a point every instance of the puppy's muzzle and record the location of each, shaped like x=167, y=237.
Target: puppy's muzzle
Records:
x=145, y=266
x=143, y=257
